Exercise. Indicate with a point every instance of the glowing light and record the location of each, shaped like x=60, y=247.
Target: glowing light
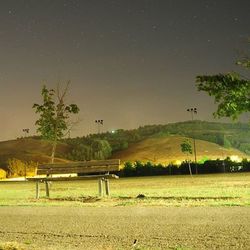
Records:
x=235, y=158
x=177, y=162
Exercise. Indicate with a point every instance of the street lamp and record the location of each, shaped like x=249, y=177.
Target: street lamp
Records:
x=99, y=123
x=193, y=111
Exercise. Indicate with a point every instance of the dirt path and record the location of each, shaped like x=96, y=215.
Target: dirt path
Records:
x=118, y=227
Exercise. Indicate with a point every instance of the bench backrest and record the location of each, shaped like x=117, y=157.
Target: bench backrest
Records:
x=84, y=167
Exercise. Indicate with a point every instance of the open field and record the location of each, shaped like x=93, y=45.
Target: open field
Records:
x=177, y=212
x=201, y=190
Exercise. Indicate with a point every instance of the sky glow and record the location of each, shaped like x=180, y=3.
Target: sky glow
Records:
x=131, y=63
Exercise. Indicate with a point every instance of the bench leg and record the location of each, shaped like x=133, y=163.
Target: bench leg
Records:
x=100, y=185
x=37, y=189
x=107, y=187
x=47, y=188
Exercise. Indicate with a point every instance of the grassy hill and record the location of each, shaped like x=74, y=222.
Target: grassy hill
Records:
x=229, y=135
x=166, y=149
x=28, y=149
x=155, y=143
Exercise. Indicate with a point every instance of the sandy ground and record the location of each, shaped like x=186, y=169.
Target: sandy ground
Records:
x=118, y=227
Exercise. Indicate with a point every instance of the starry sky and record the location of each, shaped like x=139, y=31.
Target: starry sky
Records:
x=130, y=62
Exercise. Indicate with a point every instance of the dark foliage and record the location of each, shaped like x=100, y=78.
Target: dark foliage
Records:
x=208, y=167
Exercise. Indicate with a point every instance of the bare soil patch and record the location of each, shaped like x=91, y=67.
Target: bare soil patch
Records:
x=118, y=227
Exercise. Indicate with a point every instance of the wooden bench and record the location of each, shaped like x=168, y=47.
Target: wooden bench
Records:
x=88, y=170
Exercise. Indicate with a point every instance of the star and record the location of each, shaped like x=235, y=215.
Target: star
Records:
x=154, y=27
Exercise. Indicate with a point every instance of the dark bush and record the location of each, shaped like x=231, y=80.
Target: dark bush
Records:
x=208, y=167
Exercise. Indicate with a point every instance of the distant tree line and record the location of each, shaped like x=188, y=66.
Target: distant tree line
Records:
x=18, y=167
x=208, y=167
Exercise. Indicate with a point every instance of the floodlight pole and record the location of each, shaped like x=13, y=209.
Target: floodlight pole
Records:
x=26, y=131
x=99, y=123
x=192, y=112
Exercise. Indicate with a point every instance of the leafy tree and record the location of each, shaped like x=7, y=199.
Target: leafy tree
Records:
x=81, y=152
x=53, y=123
x=227, y=143
x=186, y=148
x=101, y=149
x=231, y=91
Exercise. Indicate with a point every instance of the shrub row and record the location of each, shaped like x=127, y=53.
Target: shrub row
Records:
x=17, y=168
x=211, y=166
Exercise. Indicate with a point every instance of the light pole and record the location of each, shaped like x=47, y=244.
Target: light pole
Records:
x=26, y=131
x=223, y=159
x=193, y=111
x=99, y=123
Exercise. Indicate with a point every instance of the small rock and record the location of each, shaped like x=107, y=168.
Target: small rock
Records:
x=140, y=196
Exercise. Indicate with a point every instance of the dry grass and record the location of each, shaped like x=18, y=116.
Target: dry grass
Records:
x=167, y=149
x=201, y=190
x=11, y=246
x=28, y=149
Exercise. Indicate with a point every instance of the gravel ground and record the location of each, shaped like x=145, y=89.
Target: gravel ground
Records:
x=118, y=227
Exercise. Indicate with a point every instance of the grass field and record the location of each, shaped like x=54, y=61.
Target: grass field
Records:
x=201, y=190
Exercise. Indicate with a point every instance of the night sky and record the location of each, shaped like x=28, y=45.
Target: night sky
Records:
x=131, y=62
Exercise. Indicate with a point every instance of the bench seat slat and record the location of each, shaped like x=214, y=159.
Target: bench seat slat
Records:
x=83, y=170
x=83, y=164
x=75, y=178
x=80, y=167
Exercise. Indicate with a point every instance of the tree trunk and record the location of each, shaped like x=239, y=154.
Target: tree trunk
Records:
x=53, y=151
x=190, y=170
